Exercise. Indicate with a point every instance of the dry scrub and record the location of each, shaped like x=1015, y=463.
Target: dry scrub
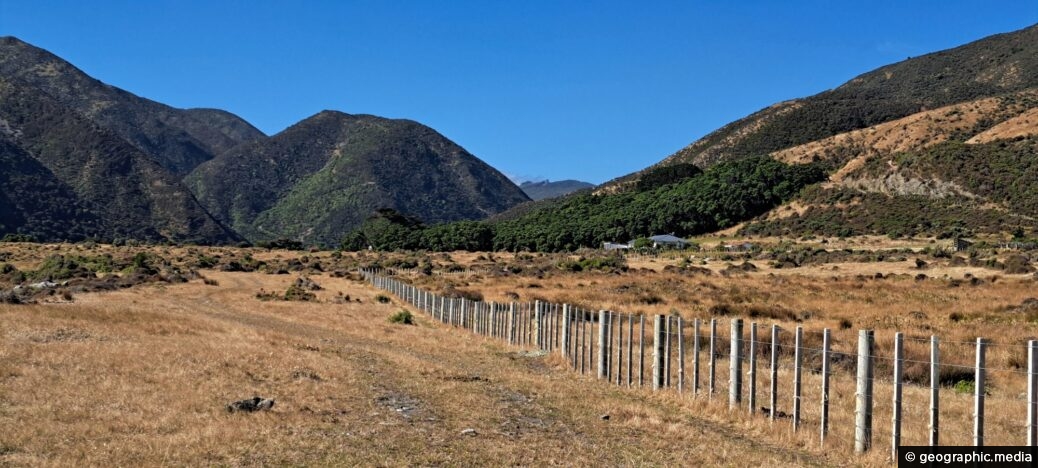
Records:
x=142, y=376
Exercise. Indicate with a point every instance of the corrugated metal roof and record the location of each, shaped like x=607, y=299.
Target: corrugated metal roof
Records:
x=668, y=239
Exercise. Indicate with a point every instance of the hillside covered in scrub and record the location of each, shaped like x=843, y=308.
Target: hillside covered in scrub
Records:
x=86, y=160
x=941, y=144
x=717, y=198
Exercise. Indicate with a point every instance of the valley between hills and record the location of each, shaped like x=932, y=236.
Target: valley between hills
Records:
x=161, y=266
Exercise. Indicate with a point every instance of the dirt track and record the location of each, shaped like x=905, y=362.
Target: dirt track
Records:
x=142, y=377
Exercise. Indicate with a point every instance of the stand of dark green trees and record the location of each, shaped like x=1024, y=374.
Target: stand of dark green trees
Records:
x=682, y=200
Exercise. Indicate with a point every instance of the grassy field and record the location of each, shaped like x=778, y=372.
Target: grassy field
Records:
x=142, y=375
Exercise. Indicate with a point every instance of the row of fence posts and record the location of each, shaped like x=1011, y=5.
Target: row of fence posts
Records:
x=570, y=331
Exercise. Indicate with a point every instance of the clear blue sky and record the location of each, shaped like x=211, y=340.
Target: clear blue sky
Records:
x=538, y=89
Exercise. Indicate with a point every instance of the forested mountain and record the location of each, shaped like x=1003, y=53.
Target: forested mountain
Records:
x=89, y=160
x=92, y=182
x=323, y=176
x=704, y=202
x=945, y=144
x=962, y=113
x=177, y=139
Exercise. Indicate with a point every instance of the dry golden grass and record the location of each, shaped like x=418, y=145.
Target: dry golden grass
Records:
x=917, y=131
x=141, y=376
x=844, y=297
x=1022, y=125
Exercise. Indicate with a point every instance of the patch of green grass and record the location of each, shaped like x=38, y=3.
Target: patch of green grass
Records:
x=403, y=317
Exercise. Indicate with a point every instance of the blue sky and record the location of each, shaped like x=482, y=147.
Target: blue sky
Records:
x=557, y=90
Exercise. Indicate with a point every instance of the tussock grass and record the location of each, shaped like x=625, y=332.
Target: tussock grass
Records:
x=141, y=376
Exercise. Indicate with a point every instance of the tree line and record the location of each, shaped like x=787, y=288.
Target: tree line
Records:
x=683, y=200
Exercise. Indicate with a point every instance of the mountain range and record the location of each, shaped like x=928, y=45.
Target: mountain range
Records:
x=89, y=160
x=328, y=173
x=942, y=144
x=544, y=189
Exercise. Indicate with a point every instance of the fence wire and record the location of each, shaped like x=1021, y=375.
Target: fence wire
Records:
x=628, y=357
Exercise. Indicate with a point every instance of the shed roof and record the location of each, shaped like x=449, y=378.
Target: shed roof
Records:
x=668, y=239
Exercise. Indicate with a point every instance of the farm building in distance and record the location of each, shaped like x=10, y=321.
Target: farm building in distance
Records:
x=668, y=241
x=664, y=241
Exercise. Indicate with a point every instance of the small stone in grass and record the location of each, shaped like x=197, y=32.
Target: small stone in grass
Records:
x=605, y=417
x=251, y=404
x=470, y=431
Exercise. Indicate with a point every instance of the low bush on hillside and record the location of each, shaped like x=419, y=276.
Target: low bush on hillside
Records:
x=403, y=317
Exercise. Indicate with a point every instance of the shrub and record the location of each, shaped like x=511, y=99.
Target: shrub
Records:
x=605, y=263
x=1018, y=264
x=382, y=299
x=721, y=309
x=9, y=297
x=403, y=317
x=297, y=293
x=965, y=386
x=205, y=261
x=650, y=299
x=266, y=296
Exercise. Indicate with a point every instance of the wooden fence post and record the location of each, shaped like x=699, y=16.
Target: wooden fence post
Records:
x=657, y=352
x=666, y=353
x=825, y=385
x=1032, y=393
x=899, y=362
x=566, y=353
x=798, y=359
x=559, y=314
x=591, y=335
x=619, y=348
x=630, y=348
x=539, y=323
x=935, y=389
x=511, y=323
x=863, y=395
x=695, y=356
x=502, y=324
x=492, y=323
x=580, y=340
x=978, y=395
x=549, y=326
x=713, y=356
x=546, y=326
x=751, y=396
x=642, y=351
x=735, y=365
x=681, y=354
x=603, y=342
x=529, y=323
x=774, y=373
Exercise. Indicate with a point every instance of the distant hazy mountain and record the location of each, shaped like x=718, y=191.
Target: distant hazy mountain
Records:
x=323, y=176
x=177, y=139
x=548, y=189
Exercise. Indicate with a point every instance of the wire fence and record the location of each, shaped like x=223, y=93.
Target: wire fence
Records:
x=846, y=389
